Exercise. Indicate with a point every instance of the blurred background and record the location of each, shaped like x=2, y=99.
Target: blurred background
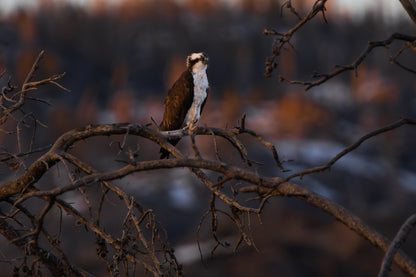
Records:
x=121, y=57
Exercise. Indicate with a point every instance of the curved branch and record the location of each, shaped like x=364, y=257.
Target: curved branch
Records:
x=64, y=142
x=395, y=245
x=410, y=7
x=229, y=171
x=67, y=140
x=263, y=186
x=354, y=65
x=352, y=147
x=341, y=214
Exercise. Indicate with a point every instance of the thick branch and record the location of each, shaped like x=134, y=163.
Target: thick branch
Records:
x=232, y=172
x=341, y=214
x=410, y=7
x=63, y=143
x=263, y=185
x=395, y=245
x=50, y=158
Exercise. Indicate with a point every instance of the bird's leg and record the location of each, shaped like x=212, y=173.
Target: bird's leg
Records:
x=192, y=126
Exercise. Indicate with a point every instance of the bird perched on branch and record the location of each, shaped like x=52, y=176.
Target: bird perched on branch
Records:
x=186, y=98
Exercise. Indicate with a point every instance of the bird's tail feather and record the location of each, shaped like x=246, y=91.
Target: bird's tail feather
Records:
x=164, y=154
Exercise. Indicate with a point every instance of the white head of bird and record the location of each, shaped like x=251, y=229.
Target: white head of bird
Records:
x=197, y=62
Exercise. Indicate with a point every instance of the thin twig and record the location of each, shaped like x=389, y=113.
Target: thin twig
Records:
x=352, y=147
x=280, y=43
x=354, y=65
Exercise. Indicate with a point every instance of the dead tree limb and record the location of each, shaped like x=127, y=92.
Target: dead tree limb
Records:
x=354, y=65
x=352, y=147
x=284, y=38
x=142, y=241
x=396, y=244
x=340, y=213
x=263, y=186
x=410, y=7
x=57, y=266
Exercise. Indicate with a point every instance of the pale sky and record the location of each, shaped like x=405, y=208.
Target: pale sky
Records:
x=389, y=8
x=357, y=8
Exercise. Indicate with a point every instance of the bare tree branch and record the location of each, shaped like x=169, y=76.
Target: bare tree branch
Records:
x=57, y=266
x=141, y=240
x=355, y=145
x=396, y=244
x=341, y=214
x=354, y=65
x=410, y=7
x=284, y=39
x=264, y=185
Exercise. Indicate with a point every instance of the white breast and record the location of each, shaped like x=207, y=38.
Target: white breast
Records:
x=200, y=93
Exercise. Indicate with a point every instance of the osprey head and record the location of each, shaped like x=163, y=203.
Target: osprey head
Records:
x=195, y=58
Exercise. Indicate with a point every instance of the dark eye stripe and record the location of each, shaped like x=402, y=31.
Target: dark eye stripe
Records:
x=197, y=60
x=191, y=63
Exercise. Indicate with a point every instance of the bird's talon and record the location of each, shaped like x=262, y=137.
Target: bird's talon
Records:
x=192, y=127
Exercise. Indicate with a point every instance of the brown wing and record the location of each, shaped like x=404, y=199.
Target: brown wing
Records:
x=177, y=102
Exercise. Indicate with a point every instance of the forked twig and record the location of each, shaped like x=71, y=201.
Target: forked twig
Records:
x=355, y=145
x=355, y=64
x=284, y=39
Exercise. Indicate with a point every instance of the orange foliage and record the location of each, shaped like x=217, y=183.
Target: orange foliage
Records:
x=120, y=75
x=23, y=64
x=174, y=69
x=86, y=112
x=296, y=115
x=98, y=6
x=287, y=64
x=122, y=104
x=257, y=6
x=231, y=107
x=369, y=86
x=62, y=120
x=203, y=6
x=129, y=9
x=26, y=26
x=25, y=61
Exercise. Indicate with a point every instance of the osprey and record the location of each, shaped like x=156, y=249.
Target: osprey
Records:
x=186, y=98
